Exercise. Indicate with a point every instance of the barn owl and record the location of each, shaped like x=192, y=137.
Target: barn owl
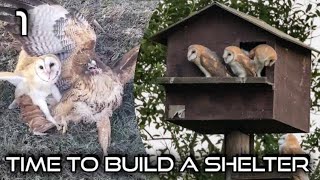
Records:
x=36, y=77
x=263, y=55
x=91, y=91
x=289, y=144
x=207, y=61
x=240, y=64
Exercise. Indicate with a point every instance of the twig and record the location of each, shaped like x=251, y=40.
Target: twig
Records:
x=192, y=143
x=215, y=149
x=157, y=139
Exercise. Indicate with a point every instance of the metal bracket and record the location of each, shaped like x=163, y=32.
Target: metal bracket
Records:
x=177, y=110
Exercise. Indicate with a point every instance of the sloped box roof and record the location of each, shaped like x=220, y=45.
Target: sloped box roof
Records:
x=161, y=36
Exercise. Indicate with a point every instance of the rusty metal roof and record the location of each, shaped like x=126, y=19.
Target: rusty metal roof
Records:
x=162, y=35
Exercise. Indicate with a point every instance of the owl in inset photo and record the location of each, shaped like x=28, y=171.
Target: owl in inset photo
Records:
x=36, y=77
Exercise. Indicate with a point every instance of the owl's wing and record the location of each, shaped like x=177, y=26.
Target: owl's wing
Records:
x=52, y=29
x=11, y=78
x=246, y=64
x=213, y=64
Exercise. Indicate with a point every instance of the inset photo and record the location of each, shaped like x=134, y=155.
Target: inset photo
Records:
x=66, y=87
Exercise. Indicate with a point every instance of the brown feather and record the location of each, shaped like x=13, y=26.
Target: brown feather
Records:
x=247, y=64
x=292, y=146
x=127, y=65
x=104, y=133
x=33, y=116
x=263, y=53
x=208, y=60
x=243, y=60
x=92, y=97
x=214, y=67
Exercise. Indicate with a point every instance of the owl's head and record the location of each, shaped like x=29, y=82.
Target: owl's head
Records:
x=289, y=140
x=193, y=53
x=92, y=68
x=230, y=53
x=48, y=68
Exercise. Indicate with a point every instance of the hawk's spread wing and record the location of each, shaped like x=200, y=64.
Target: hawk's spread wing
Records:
x=125, y=67
x=213, y=64
x=52, y=29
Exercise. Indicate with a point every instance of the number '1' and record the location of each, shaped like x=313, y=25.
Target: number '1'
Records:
x=22, y=13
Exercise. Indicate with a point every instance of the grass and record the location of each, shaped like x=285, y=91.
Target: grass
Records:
x=123, y=23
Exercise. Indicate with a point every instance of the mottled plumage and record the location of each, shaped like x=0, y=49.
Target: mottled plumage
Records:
x=52, y=28
x=239, y=62
x=207, y=61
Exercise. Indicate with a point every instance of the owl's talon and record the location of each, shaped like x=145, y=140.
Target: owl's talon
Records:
x=58, y=127
x=243, y=79
x=64, y=129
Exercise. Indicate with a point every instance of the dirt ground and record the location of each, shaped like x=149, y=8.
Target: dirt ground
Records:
x=123, y=22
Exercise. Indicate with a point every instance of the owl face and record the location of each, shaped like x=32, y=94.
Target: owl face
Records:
x=192, y=53
x=228, y=56
x=48, y=68
x=231, y=52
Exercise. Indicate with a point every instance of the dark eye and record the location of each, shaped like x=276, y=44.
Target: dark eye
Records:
x=193, y=52
x=51, y=64
x=229, y=54
x=41, y=67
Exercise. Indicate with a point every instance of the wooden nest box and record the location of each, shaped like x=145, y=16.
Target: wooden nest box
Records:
x=278, y=102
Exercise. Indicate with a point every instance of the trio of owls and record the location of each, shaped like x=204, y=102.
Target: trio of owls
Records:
x=241, y=63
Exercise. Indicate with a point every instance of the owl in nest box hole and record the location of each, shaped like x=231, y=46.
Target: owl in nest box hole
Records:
x=263, y=55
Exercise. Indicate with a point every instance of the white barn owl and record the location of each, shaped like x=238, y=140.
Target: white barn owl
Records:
x=263, y=55
x=36, y=77
x=239, y=62
x=289, y=144
x=207, y=61
x=91, y=90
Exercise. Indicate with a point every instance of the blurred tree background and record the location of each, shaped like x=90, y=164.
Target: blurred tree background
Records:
x=290, y=16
